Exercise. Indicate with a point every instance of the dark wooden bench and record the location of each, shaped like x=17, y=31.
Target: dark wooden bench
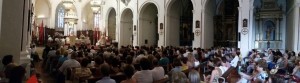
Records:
x=118, y=77
x=230, y=74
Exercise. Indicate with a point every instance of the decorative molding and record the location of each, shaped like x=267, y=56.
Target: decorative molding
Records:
x=126, y=2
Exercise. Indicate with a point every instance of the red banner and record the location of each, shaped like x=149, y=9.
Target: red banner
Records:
x=41, y=33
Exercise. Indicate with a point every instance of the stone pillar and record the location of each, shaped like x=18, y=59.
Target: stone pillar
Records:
x=14, y=28
x=244, y=13
x=277, y=30
x=251, y=28
x=14, y=31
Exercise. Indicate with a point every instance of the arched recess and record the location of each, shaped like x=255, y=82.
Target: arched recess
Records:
x=42, y=11
x=148, y=25
x=112, y=24
x=66, y=20
x=126, y=30
x=180, y=23
x=220, y=23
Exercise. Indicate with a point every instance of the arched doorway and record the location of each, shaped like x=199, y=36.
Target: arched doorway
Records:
x=112, y=24
x=126, y=30
x=180, y=23
x=221, y=23
x=148, y=25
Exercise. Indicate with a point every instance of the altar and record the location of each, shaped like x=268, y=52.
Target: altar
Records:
x=268, y=21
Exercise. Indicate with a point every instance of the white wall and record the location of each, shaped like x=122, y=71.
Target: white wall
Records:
x=293, y=20
x=11, y=29
x=147, y=25
x=173, y=24
x=79, y=6
x=126, y=28
x=42, y=12
x=208, y=29
x=88, y=16
x=112, y=24
x=201, y=12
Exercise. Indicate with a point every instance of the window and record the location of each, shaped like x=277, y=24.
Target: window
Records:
x=97, y=20
x=60, y=17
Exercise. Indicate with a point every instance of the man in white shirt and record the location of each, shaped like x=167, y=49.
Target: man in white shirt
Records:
x=234, y=61
x=188, y=51
x=70, y=63
x=158, y=72
x=145, y=75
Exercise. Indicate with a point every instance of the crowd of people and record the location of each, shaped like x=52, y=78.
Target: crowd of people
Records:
x=129, y=64
x=149, y=64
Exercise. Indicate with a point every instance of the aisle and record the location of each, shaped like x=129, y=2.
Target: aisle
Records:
x=43, y=77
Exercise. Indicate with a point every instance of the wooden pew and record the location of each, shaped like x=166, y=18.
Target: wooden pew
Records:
x=231, y=75
x=118, y=77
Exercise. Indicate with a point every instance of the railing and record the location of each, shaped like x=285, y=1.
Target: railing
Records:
x=263, y=44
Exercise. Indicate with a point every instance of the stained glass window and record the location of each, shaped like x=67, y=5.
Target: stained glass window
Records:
x=60, y=17
x=97, y=20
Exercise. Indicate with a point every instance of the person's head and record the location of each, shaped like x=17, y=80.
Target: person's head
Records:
x=184, y=60
x=129, y=59
x=128, y=71
x=217, y=62
x=65, y=54
x=297, y=62
x=105, y=69
x=155, y=62
x=18, y=77
x=194, y=76
x=261, y=65
x=85, y=62
x=99, y=60
x=7, y=59
x=57, y=53
x=176, y=62
x=145, y=63
x=115, y=62
x=73, y=55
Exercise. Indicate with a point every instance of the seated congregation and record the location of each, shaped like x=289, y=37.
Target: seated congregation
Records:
x=92, y=64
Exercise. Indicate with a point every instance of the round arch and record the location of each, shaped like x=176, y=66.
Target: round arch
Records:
x=67, y=29
x=220, y=24
x=148, y=25
x=146, y=3
x=126, y=28
x=179, y=23
x=111, y=23
x=42, y=10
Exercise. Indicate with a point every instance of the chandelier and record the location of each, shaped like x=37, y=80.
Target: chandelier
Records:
x=68, y=3
x=95, y=5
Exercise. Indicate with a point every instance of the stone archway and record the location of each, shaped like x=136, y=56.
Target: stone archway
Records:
x=220, y=23
x=126, y=30
x=180, y=23
x=148, y=25
x=112, y=24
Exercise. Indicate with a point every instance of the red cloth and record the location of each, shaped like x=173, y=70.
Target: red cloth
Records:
x=32, y=79
x=41, y=33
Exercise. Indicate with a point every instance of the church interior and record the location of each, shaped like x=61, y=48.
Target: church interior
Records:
x=150, y=41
